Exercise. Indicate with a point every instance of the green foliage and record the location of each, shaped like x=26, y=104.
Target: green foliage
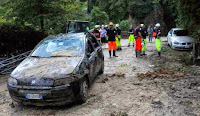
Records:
x=46, y=15
x=140, y=8
x=116, y=9
x=98, y=16
x=120, y=9
x=187, y=13
x=124, y=25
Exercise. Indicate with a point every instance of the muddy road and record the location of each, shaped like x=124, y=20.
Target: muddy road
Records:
x=127, y=88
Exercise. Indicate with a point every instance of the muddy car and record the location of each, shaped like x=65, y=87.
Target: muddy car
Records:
x=59, y=70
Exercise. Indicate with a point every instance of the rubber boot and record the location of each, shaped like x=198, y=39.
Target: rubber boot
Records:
x=114, y=53
x=159, y=54
x=143, y=53
x=136, y=53
x=110, y=53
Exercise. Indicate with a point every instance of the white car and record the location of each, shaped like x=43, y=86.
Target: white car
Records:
x=178, y=39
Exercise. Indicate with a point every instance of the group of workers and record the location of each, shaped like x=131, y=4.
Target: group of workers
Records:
x=138, y=36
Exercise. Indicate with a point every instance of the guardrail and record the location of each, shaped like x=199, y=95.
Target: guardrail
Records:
x=8, y=65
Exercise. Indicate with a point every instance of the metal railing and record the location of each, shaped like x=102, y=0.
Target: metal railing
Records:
x=8, y=65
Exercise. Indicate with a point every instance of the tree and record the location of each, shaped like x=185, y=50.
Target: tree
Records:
x=41, y=14
x=98, y=16
x=186, y=13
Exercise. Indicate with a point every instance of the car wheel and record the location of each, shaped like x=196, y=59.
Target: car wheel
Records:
x=84, y=88
x=168, y=42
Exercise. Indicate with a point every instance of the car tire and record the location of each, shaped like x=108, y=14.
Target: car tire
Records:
x=84, y=88
x=168, y=42
x=102, y=68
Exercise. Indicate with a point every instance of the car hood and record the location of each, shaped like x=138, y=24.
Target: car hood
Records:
x=46, y=67
x=184, y=39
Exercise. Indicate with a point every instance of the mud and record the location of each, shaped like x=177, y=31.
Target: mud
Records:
x=121, y=91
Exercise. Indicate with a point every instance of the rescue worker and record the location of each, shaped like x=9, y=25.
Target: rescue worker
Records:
x=111, y=32
x=103, y=34
x=158, y=39
x=131, y=36
x=144, y=41
x=150, y=33
x=97, y=33
x=138, y=39
x=118, y=37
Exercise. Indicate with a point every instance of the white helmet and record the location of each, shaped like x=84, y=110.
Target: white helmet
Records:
x=117, y=25
x=141, y=25
x=96, y=26
x=157, y=25
x=102, y=26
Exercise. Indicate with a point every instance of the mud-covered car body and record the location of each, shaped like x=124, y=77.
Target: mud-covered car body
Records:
x=55, y=80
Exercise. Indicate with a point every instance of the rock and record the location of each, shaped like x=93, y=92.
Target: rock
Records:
x=12, y=105
x=157, y=103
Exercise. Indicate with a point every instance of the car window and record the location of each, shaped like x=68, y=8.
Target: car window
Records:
x=64, y=46
x=170, y=32
x=94, y=41
x=90, y=48
x=181, y=32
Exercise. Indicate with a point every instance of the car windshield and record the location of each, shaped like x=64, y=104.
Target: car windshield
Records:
x=181, y=32
x=59, y=47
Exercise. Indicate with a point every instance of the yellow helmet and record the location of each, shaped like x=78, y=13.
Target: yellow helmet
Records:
x=111, y=23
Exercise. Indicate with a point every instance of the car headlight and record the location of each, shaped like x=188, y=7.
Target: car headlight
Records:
x=12, y=82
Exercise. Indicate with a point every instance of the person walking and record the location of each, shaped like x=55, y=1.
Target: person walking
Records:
x=97, y=33
x=118, y=37
x=131, y=36
x=144, y=41
x=103, y=34
x=150, y=33
x=111, y=32
x=138, y=39
x=158, y=38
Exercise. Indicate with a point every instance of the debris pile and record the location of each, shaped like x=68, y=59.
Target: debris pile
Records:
x=119, y=114
x=161, y=74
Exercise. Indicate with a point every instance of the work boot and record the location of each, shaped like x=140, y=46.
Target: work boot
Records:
x=128, y=44
x=159, y=54
x=133, y=45
x=110, y=53
x=120, y=48
x=114, y=53
x=143, y=53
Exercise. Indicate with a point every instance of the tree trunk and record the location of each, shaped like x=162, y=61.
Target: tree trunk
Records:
x=40, y=14
x=42, y=23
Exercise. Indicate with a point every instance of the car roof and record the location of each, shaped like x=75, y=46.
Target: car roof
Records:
x=177, y=29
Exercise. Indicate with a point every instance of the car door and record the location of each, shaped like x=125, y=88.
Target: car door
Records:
x=91, y=54
x=97, y=49
x=170, y=37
